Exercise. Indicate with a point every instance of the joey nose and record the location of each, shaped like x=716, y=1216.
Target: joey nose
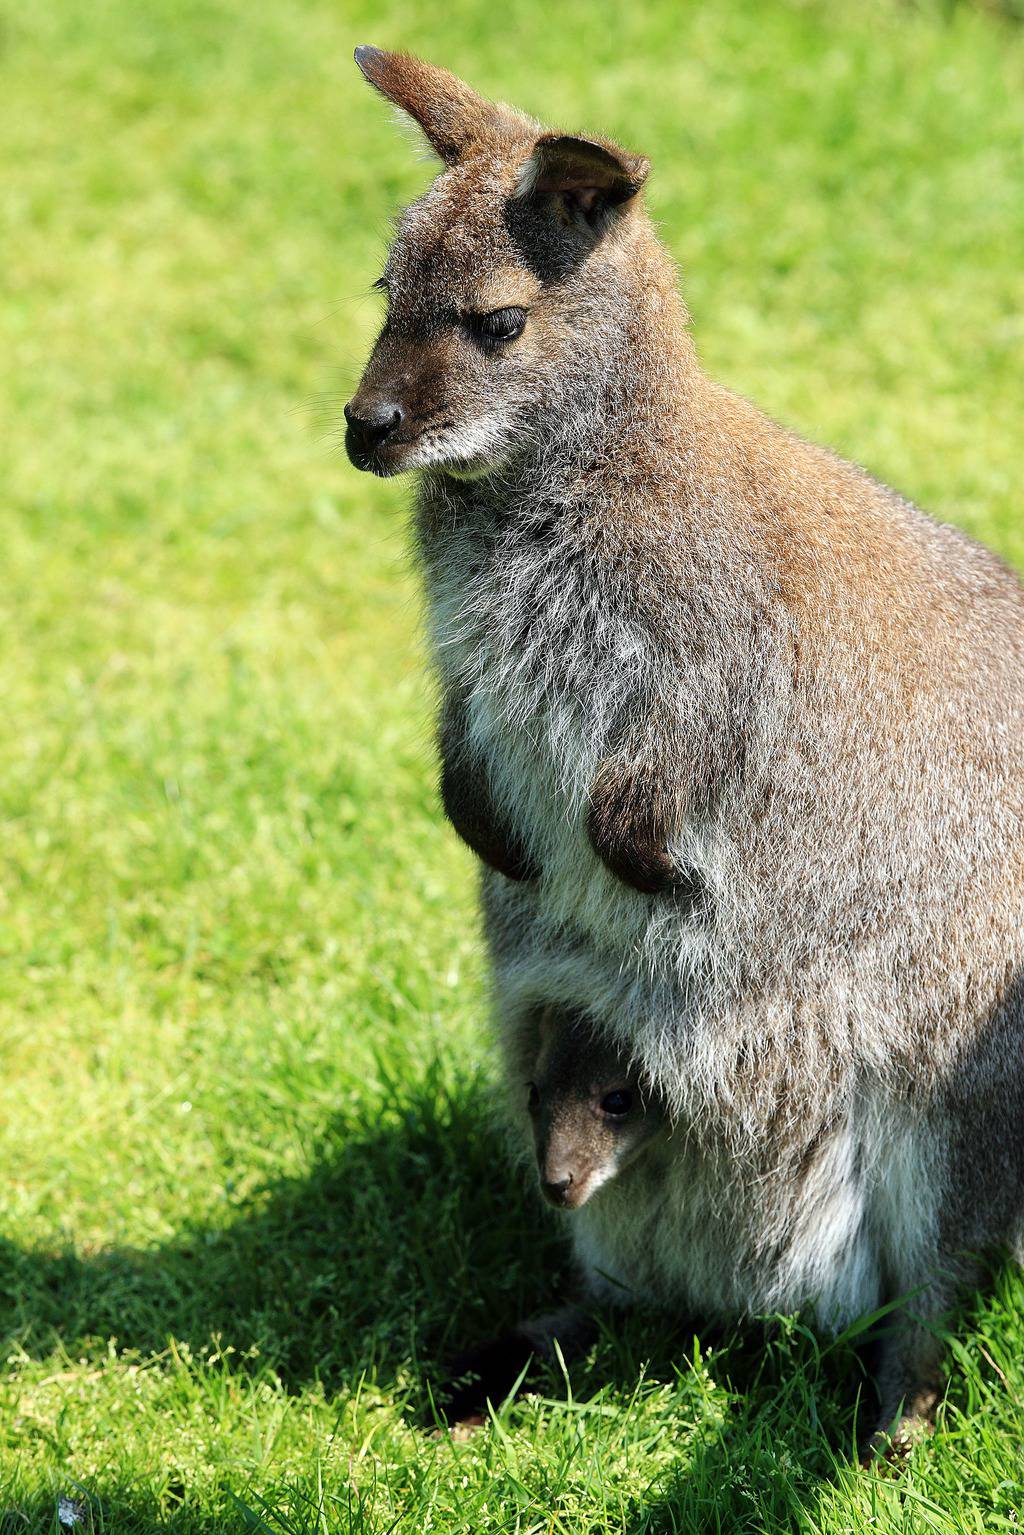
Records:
x=556, y=1190
x=369, y=425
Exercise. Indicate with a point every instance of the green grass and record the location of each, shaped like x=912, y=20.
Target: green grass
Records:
x=251, y=1198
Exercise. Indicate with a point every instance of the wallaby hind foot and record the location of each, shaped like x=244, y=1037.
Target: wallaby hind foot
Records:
x=488, y=1373
x=908, y=1377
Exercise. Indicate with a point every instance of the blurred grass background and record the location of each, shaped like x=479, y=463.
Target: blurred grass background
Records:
x=250, y=1196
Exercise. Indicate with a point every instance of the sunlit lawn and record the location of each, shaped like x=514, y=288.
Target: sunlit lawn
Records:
x=252, y=1197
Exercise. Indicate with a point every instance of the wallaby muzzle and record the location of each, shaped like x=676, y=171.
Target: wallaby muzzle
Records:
x=565, y=1177
x=396, y=403
x=372, y=425
x=567, y=1191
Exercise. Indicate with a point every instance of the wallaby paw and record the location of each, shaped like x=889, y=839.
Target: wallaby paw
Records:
x=891, y=1443
x=480, y=1375
x=636, y=854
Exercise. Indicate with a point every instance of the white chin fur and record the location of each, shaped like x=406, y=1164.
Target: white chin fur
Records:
x=467, y=453
x=598, y=1181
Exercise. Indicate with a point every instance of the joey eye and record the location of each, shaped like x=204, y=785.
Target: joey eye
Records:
x=532, y=1097
x=617, y=1103
x=500, y=325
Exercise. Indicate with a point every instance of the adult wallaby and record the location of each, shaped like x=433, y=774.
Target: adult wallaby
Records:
x=738, y=735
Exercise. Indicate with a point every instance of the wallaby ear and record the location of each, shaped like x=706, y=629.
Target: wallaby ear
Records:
x=450, y=114
x=546, y=1023
x=589, y=178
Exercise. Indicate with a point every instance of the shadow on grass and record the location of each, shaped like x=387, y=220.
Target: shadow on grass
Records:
x=409, y=1237
x=408, y=1241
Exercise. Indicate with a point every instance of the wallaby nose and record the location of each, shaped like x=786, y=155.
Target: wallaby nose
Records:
x=556, y=1190
x=369, y=426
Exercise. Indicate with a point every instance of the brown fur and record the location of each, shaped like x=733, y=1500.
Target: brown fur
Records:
x=683, y=651
x=581, y=1142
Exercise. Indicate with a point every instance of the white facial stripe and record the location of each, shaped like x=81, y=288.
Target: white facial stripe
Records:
x=600, y=1177
x=476, y=447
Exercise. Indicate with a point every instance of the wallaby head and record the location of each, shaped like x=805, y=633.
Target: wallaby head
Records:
x=591, y=1114
x=506, y=284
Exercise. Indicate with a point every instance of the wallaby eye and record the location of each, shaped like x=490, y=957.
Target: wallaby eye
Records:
x=617, y=1103
x=532, y=1097
x=499, y=325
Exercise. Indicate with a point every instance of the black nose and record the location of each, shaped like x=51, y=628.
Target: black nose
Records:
x=557, y=1192
x=371, y=426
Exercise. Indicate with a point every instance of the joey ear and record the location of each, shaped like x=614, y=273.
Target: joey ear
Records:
x=546, y=1023
x=450, y=114
x=589, y=178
